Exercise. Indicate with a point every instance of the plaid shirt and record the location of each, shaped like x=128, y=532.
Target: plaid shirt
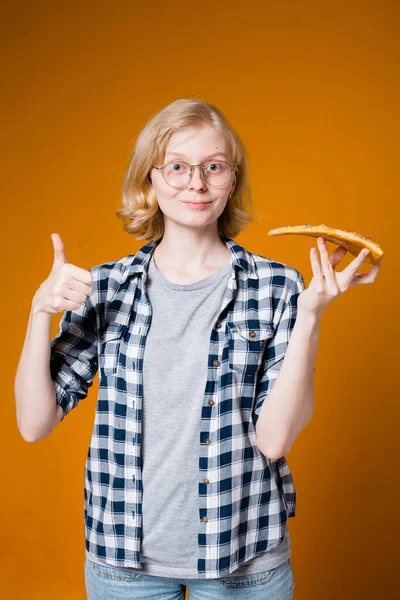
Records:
x=244, y=498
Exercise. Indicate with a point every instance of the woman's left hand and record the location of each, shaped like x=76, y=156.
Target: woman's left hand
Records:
x=326, y=284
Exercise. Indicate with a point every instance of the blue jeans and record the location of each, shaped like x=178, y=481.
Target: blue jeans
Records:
x=110, y=583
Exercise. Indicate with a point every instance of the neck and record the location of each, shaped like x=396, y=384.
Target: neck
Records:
x=190, y=251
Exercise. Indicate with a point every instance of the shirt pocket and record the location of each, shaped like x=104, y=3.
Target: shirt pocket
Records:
x=110, y=343
x=247, y=343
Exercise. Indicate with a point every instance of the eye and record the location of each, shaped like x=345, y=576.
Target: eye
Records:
x=214, y=167
x=176, y=167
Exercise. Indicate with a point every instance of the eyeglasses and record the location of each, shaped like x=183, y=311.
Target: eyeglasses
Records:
x=215, y=173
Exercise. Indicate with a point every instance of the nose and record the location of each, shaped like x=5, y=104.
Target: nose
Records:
x=197, y=181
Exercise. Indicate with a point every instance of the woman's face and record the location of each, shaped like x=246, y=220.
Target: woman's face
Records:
x=195, y=146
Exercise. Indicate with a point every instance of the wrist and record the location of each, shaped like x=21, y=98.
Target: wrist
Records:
x=36, y=308
x=309, y=318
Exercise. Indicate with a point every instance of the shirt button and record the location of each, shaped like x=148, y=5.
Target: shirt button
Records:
x=218, y=325
x=216, y=363
x=206, y=480
x=205, y=519
x=253, y=334
x=208, y=441
x=211, y=402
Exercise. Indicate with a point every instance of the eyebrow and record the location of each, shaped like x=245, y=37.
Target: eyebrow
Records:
x=183, y=156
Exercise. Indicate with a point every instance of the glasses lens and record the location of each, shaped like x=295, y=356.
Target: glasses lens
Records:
x=215, y=173
x=177, y=174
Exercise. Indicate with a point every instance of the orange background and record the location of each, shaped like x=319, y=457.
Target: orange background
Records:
x=313, y=90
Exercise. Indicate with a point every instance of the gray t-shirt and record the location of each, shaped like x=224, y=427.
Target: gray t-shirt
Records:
x=174, y=379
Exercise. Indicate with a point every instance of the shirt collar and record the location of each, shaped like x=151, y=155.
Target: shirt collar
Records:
x=136, y=264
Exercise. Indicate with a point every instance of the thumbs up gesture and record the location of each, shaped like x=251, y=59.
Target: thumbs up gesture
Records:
x=67, y=286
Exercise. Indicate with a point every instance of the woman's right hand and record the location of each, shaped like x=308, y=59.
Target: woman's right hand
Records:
x=67, y=286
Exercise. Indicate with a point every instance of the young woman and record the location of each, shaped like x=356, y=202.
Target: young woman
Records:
x=186, y=482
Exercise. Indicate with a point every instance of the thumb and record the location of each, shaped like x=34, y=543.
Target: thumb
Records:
x=59, y=250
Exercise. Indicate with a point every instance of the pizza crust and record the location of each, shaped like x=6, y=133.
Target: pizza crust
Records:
x=353, y=242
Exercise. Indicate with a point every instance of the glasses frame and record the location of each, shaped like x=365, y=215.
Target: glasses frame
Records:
x=162, y=167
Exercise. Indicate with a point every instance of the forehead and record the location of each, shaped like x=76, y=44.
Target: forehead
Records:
x=196, y=140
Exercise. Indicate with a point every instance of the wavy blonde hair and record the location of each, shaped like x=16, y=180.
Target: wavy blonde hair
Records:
x=140, y=210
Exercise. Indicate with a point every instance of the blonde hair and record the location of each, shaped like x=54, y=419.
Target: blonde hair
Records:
x=140, y=210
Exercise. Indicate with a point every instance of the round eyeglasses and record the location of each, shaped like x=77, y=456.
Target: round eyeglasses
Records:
x=215, y=172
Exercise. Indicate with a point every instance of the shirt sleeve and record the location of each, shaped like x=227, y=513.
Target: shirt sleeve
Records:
x=74, y=355
x=277, y=345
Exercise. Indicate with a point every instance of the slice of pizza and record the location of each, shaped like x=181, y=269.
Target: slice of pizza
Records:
x=352, y=241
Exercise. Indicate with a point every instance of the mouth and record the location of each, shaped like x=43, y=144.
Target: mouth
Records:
x=196, y=203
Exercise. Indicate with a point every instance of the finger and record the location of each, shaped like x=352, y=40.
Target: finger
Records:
x=367, y=277
x=64, y=304
x=60, y=256
x=316, y=268
x=337, y=256
x=73, y=296
x=355, y=264
x=326, y=263
x=79, y=286
x=81, y=274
